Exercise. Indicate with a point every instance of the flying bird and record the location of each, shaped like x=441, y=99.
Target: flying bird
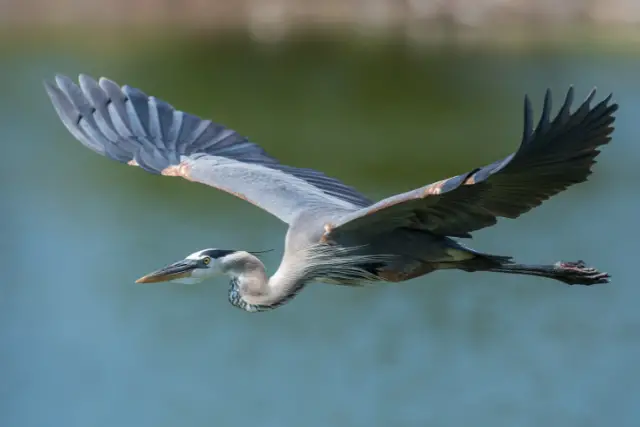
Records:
x=336, y=234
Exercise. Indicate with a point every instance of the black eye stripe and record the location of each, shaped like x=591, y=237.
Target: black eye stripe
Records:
x=217, y=253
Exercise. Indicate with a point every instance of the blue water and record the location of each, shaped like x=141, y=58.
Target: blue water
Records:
x=81, y=345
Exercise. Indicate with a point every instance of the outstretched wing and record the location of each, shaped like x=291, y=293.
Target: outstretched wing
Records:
x=124, y=124
x=552, y=157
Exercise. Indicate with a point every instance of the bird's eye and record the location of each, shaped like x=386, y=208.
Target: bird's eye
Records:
x=206, y=260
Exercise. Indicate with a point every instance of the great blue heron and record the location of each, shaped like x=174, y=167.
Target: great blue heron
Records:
x=337, y=235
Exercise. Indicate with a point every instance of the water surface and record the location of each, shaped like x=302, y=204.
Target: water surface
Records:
x=82, y=345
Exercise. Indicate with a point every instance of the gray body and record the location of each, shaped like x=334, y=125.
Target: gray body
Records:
x=336, y=234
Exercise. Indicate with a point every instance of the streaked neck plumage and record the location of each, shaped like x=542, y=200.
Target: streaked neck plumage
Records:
x=252, y=291
x=250, y=288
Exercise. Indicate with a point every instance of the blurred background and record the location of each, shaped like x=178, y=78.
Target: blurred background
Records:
x=385, y=95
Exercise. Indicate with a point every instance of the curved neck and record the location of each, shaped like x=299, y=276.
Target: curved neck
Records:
x=250, y=288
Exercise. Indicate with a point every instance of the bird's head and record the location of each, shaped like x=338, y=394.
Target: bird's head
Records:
x=193, y=269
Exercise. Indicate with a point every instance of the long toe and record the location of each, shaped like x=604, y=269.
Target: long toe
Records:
x=577, y=273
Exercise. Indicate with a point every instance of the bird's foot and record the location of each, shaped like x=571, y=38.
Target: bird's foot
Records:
x=577, y=273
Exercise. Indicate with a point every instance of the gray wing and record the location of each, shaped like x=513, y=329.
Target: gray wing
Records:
x=557, y=154
x=124, y=124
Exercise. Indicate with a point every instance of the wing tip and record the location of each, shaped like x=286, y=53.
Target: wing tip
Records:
x=612, y=107
x=63, y=80
x=86, y=80
x=49, y=87
x=568, y=99
x=590, y=96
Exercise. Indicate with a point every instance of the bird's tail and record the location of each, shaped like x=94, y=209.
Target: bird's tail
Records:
x=571, y=273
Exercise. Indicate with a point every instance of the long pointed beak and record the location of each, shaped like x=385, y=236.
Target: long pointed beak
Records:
x=173, y=271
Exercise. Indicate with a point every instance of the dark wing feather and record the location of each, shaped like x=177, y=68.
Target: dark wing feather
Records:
x=557, y=154
x=126, y=125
